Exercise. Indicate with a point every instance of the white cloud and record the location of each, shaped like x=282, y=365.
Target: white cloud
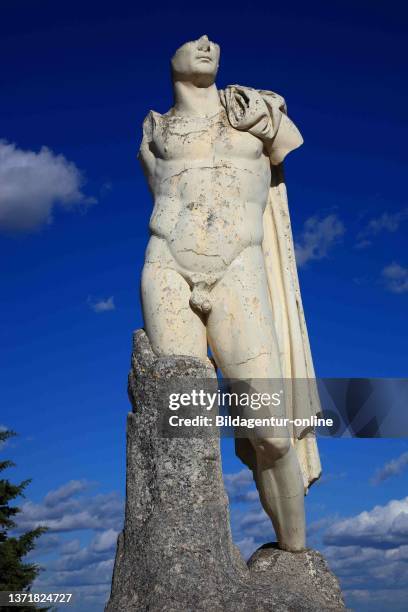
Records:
x=70, y=547
x=256, y=524
x=359, y=551
x=104, y=305
x=99, y=572
x=101, y=548
x=387, y=222
x=65, y=509
x=378, y=600
x=87, y=597
x=48, y=542
x=251, y=526
x=69, y=564
x=369, y=553
x=240, y=486
x=65, y=492
x=366, y=574
x=105, y=541
x=381, y=527
x=319, y=235
x=33, y=184
x=395, y=278
x=392, y=468
x=363, y=243
x=84, y=571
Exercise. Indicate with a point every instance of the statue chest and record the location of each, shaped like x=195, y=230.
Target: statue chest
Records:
x=195, y=138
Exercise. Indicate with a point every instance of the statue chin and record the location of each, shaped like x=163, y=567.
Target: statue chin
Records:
x=199, y=76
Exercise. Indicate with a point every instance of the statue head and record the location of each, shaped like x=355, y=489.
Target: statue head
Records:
x=196, y=62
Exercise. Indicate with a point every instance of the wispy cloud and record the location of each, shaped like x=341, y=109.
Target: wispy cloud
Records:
x=55, y=497
x=250, y=524
x=240, y=486
x=369, y=549
x=103, y=305
x=387, y=222
x=256, y=524
x=83, y=557
x=319, y=235
x=68, y=508
x=73, y=514
x=33, y=184
x=392, y=468
x=378, y=600
x=369, y=553
x=395, y=278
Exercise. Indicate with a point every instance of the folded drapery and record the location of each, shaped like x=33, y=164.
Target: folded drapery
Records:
x=263, y=114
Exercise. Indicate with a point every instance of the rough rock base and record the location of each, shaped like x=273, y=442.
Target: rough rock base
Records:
x=175, y=553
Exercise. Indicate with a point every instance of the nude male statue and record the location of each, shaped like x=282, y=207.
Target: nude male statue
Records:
x=210, y=162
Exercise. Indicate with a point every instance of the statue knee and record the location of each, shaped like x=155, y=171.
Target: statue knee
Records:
x=272, y=448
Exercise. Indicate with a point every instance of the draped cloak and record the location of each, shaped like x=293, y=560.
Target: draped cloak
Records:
x=263, y=114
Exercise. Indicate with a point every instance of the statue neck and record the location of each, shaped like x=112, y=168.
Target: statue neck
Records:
x=195, y=101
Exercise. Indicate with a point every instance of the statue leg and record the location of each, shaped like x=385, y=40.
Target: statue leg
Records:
x=243, y=341
x=172, y=327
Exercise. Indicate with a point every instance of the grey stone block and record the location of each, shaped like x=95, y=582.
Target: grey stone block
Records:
x=176, y=551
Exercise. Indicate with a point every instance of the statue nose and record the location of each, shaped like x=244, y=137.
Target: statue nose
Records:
x=204, y=43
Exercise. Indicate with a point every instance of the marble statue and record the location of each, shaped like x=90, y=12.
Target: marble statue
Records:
x=220, y=270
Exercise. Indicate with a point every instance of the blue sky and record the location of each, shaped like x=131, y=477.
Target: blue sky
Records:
x=78, y=79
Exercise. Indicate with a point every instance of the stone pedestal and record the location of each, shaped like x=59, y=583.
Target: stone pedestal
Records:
x=175, y=553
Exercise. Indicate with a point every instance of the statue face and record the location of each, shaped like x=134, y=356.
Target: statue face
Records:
x=196, y=61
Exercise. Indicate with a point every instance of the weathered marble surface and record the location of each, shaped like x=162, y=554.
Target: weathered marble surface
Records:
x=220, y=268
x=176, y=553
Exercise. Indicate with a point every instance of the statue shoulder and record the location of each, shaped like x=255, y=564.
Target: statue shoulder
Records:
x=153, y=122
x=149, y=125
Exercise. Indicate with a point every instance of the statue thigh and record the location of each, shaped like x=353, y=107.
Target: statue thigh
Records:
x=240, y=327
x=172, y=327
x=243, y=340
